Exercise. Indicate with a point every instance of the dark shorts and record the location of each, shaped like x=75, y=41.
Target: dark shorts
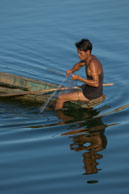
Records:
x=92, y=92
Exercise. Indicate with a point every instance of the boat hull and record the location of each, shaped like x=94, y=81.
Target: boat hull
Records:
x=20, y=83
x=27, y=90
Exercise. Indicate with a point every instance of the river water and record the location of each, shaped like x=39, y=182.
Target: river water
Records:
x=70, y=151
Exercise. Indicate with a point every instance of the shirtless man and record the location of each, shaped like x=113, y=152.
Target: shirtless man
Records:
x=93, y=85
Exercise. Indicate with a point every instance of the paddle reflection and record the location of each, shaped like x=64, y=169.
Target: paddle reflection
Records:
x=89, y=136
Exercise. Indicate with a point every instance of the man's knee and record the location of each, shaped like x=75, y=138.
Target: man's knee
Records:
x=60, y=98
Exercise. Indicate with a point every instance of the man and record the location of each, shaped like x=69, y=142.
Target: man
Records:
x=93, y=85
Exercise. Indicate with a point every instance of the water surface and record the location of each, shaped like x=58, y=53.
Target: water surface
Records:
x=70, y=151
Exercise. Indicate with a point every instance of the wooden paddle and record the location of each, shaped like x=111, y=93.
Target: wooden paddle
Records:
x=45, y=91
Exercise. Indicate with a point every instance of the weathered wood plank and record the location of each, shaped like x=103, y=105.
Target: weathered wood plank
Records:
x=14, y=81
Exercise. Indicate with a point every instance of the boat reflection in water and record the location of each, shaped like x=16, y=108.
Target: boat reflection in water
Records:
x=89, y=136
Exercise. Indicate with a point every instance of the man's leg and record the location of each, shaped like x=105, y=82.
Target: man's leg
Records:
x=78, y=95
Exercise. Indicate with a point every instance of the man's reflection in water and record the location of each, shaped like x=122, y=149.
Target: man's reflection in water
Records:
x=96, y=142
x=89, y=138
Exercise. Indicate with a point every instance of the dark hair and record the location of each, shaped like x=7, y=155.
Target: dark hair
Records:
x=84, y=45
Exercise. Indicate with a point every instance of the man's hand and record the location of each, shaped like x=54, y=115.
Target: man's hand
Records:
x=76, y=77
x=68, y=72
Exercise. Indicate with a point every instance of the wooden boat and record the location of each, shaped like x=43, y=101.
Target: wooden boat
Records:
x=24, y=89
x=34, y=91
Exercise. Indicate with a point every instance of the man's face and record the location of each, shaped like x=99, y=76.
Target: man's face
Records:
x=82, y=54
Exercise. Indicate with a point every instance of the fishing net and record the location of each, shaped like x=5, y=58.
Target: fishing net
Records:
x=67, y=83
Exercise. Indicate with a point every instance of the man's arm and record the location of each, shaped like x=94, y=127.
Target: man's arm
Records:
x=76, y=67
x=94, y=73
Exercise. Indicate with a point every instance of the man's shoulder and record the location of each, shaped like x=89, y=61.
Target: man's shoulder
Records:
x=94, y=61
x=82, y=63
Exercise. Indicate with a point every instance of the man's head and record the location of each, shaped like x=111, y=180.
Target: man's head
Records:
x=84, y=48
x=84, y=45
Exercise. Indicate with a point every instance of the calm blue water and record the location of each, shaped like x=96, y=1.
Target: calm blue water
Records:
x=72, y=151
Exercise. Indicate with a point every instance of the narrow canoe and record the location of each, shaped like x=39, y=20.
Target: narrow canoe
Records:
x=12, y=81
x=24, y=89
x=34, y=91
